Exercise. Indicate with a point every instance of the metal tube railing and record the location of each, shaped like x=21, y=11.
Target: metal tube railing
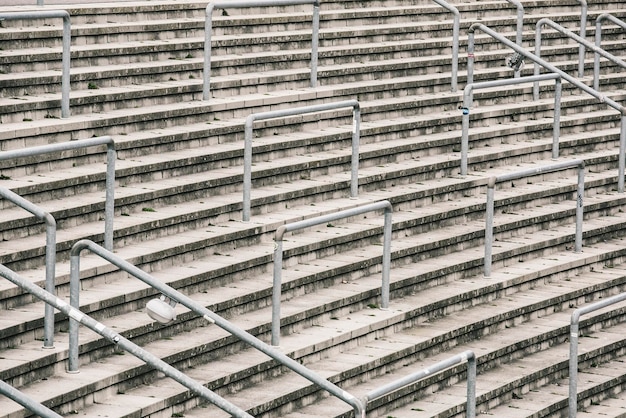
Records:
x=564, y=76
x=207, y=314
x=249, y=126
x=598, y=42
x=67, y=33
x=519, y=28
x=208, y=29
x=109, y=205
x=573, y=346
x=50, y=259
x=583, y=34
x=527, y=173
x=581, y=41
x=26, y=401
x=467, y=356
x=467, y=104
x=77, y=316
x=294, y=226
x=455, y=41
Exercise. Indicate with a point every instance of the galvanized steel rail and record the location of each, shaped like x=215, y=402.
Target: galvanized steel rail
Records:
x=207, y=314
x=65, y=75
x=580, y=164
x=247, y=153
x=306, y=223
x=26, y=401
x=455, y=41
x=467, y=105
x=598, y=43
x=604, y=99
x=584, y=43
x=573, y=346
x=109, y=206
x=50, y=258
x=208, y=29
x=76, y=316
x=466, y=356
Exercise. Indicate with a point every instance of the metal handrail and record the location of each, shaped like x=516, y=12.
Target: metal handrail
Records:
x=598, y=42
x=26, y=401
x=573, y=346
x=208, y=29
x=621, y=109
x=247, y=153
x=584, y=43
x=580, y=164
x=306, y=223
x=466, y=356
x=467, y=104
x=455, y=41
x=109, y=206
x=67, y=33
x=50, y=259
x=210, y=316
x=519, y=27
x=76, y=316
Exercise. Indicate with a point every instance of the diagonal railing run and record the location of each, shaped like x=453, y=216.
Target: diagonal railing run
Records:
x=604, y=99
x=177, y=297
x=76, y=316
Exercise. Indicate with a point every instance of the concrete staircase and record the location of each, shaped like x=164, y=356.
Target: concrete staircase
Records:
x=178, y=210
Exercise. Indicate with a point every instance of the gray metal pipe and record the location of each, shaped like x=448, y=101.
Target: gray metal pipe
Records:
x=247, y=152
x=50, y=259
x=467, y=356
x=67, y=34
x=26, y=401
x=455, y=41
x=109, y=208
x=467, y=105
x=519, y=27
x=208, y=29
x=76, y=315
x=489, y=216
x=598, y=43
x=573, y=346
x=210, y=316
x=583, y=43
x=319, y=220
